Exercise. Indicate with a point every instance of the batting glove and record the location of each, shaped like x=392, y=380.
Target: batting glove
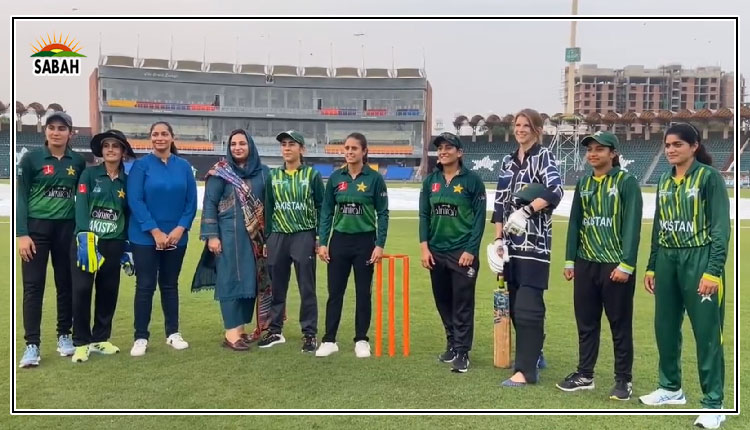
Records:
x=497, y=255
x=126, y=261
x=89, y=259
x=516, y=223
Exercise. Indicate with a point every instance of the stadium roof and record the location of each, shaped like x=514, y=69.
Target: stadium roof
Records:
x=155, y=63
x=253, y=69
x=377, y=73
x=118, y=60
x=409, y=73
x=347, y=72
x=189, y=65
x=284, y=70
x=315, y=71
x=220, y=67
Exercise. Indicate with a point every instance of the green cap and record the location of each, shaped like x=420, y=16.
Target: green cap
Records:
x=447, y=137
x=603, y=138
x=529, y=192
x=291, y=134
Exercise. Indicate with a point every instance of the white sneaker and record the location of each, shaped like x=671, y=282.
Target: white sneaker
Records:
x=663, y=397
x=710, y=421
x=139, y=348
x=326, y=348
x=362, y=349
x=176, y=341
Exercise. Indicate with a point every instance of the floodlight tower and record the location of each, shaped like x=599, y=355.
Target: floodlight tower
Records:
x=565, y=142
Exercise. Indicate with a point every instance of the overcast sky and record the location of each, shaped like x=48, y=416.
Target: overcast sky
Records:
x=474, y=67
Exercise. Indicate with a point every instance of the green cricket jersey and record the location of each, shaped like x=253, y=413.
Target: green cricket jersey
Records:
x=352, y=204
x=101, y=204
x=452, y=215
x=293, y=201
x=605, y=220
x=46, y=186
x=693, y=211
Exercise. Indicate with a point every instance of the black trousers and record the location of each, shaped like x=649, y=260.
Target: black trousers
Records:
x=347, y=251
x=153, y=266
x=453, y=287
x=592, y=291
x=51, y=237
x=527, y=312
x=283, y=251
x=107, y=281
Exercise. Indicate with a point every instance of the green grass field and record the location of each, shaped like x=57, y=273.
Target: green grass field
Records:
x=208, y=376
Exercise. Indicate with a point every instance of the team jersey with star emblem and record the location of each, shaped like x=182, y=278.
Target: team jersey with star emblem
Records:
x=351, y=205
x=46, y=186
x=293, y=200
x=452, y=214
x=690, y=212
x=605, y=220
x=101, y=203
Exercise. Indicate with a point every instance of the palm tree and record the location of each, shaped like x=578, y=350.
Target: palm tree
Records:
x=54, y=107
x=475, y=122
x=491, y=122
x=646, y=118
x=703, y=117
x=724, y=116
x=592, y=120
x=20, y=111
x=627, y=119
x=610, y=119
x=40, y=111
x=459, y=122
x=663, y=117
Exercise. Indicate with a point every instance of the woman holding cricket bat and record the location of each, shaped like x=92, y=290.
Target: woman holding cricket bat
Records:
x=233, y=227
x=452, y=211
x=523, y=221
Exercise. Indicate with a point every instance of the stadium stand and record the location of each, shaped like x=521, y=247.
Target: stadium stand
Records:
x=5, y=153
x=324, y=169
x=397, y=173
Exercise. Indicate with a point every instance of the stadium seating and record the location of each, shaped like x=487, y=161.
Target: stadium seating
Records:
x=182, y=145
x=324, y=169
x=397, y=173
x=5, y=153
x=374, y=149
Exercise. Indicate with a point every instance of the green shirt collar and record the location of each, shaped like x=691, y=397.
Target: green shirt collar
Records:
x=47, y=154
x=366, y=169
x=696, y=164
x=612, y=172
x=101, y=170
x=283, y=166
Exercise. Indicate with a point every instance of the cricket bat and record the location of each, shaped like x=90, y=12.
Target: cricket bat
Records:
x=501, y=324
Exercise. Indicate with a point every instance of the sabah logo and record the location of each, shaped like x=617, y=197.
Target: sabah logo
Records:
x=343, y=186
x=435, y=187
x=56, y=56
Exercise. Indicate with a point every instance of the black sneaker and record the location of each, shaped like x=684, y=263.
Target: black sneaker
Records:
x=461, y=362
x=448, y=356
x=575, y=381
x=621, y=391
x=270, y=339
x=309, y=344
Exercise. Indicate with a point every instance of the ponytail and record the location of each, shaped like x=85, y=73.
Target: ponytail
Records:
x=702, y=155
x=616, y=161
x=173, y=148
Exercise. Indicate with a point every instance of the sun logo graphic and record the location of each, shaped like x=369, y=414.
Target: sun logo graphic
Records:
x=57, y=57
